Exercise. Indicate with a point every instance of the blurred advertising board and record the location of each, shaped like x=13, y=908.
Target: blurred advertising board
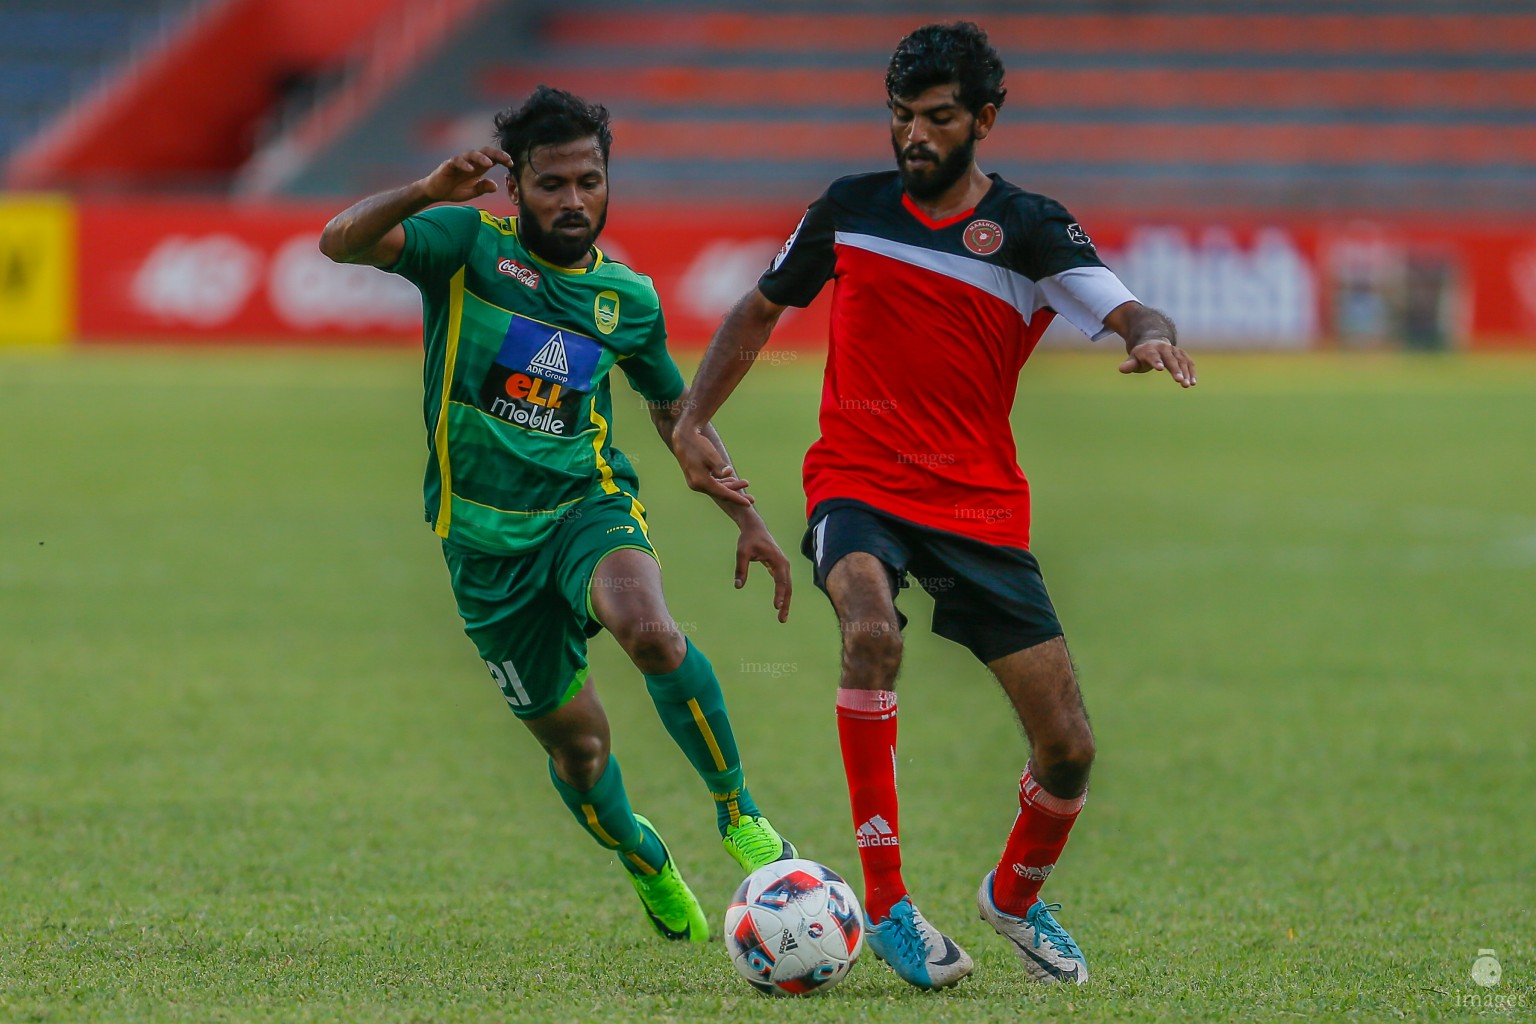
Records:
x=37, y=269
x=215, y=271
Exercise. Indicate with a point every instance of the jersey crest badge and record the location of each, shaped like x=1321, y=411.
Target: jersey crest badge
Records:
x=605, y=311
x=983, y=237
x=1076, y=234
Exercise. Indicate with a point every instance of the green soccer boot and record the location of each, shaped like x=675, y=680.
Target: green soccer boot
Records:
x=673, y=909
x=754, y=843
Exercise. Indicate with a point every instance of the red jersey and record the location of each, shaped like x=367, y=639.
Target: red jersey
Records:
x=931, y=324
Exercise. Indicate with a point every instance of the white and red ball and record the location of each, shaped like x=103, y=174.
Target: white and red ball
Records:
x=794, y=928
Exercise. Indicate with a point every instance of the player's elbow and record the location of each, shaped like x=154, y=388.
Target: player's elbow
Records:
x=329, y=245
x=761, y=312
x=333, y=242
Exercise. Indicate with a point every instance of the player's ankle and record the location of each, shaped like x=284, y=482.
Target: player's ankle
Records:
x=878, y=904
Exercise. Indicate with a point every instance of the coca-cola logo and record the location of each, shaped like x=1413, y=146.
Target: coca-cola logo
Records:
x=519, y=273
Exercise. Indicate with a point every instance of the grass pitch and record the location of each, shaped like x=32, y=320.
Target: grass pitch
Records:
x=250, y=770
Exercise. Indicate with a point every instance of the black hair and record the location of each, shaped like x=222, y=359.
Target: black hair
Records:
x=939, y=54
x=551, y=117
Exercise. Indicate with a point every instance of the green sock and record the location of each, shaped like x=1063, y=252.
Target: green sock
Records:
x=692, y=708
x=604, y=812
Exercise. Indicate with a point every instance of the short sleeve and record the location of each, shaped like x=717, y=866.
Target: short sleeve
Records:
x=437, y=243
x=1055, y=242
x=651, y=370
x=1060, y=258
x=806, y=262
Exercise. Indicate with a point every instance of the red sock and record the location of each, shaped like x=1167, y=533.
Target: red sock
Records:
x=1039, y=833
x=866, y=731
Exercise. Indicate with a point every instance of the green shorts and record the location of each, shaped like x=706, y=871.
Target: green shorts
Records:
x=530, y=615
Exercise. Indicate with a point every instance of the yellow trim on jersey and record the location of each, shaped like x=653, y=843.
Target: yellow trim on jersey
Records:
x=506, y=225
x=440, y=435
x=637, y=512
x=605, y=471
x=709, y=737
x=597, y=261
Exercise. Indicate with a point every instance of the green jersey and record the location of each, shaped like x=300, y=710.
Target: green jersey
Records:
x=517, y=356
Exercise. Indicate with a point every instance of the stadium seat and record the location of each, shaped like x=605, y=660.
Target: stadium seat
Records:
x=1316, y=105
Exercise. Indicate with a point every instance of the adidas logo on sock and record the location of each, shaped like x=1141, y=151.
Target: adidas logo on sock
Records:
x=875, y=832
x=1032, y=873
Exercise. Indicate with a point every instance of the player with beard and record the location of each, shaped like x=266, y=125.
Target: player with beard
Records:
x=944, y=279
x=537, y=511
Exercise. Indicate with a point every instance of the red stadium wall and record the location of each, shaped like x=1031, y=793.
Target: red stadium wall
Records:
x=187, y=110
x=216, y=272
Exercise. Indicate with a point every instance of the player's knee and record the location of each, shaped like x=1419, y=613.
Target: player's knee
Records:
x=873, y=646
x=653, y=644
x=1063, y=765
x=580, y=760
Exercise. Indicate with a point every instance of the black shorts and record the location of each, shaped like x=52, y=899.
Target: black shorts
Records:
x=989, y=599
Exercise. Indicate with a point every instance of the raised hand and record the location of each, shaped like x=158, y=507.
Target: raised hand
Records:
x=461, y=178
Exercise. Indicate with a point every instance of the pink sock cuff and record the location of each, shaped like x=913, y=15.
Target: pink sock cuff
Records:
x=873, y=704
x=1032, y=793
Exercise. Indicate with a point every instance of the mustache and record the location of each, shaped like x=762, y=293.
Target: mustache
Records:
x=572, y=220
x=919, y=150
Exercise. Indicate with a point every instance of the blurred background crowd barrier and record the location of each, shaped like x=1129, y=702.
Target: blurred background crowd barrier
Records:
x=1276, y=175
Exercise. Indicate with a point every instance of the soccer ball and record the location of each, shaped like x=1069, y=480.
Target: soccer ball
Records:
x=793, y=928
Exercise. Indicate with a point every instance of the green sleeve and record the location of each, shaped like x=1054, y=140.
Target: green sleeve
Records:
x=437, y=243
x=650, y=368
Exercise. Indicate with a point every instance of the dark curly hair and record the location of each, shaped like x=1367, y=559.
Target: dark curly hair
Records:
x=939, y=54
x=551, y=117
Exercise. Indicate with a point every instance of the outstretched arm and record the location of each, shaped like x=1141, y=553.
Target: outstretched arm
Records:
x=756, y=543
x=740, y=337
x=369, y=231
x=1151, y=342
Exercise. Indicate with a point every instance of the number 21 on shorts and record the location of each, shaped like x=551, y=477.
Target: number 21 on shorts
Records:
x=511, y=686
